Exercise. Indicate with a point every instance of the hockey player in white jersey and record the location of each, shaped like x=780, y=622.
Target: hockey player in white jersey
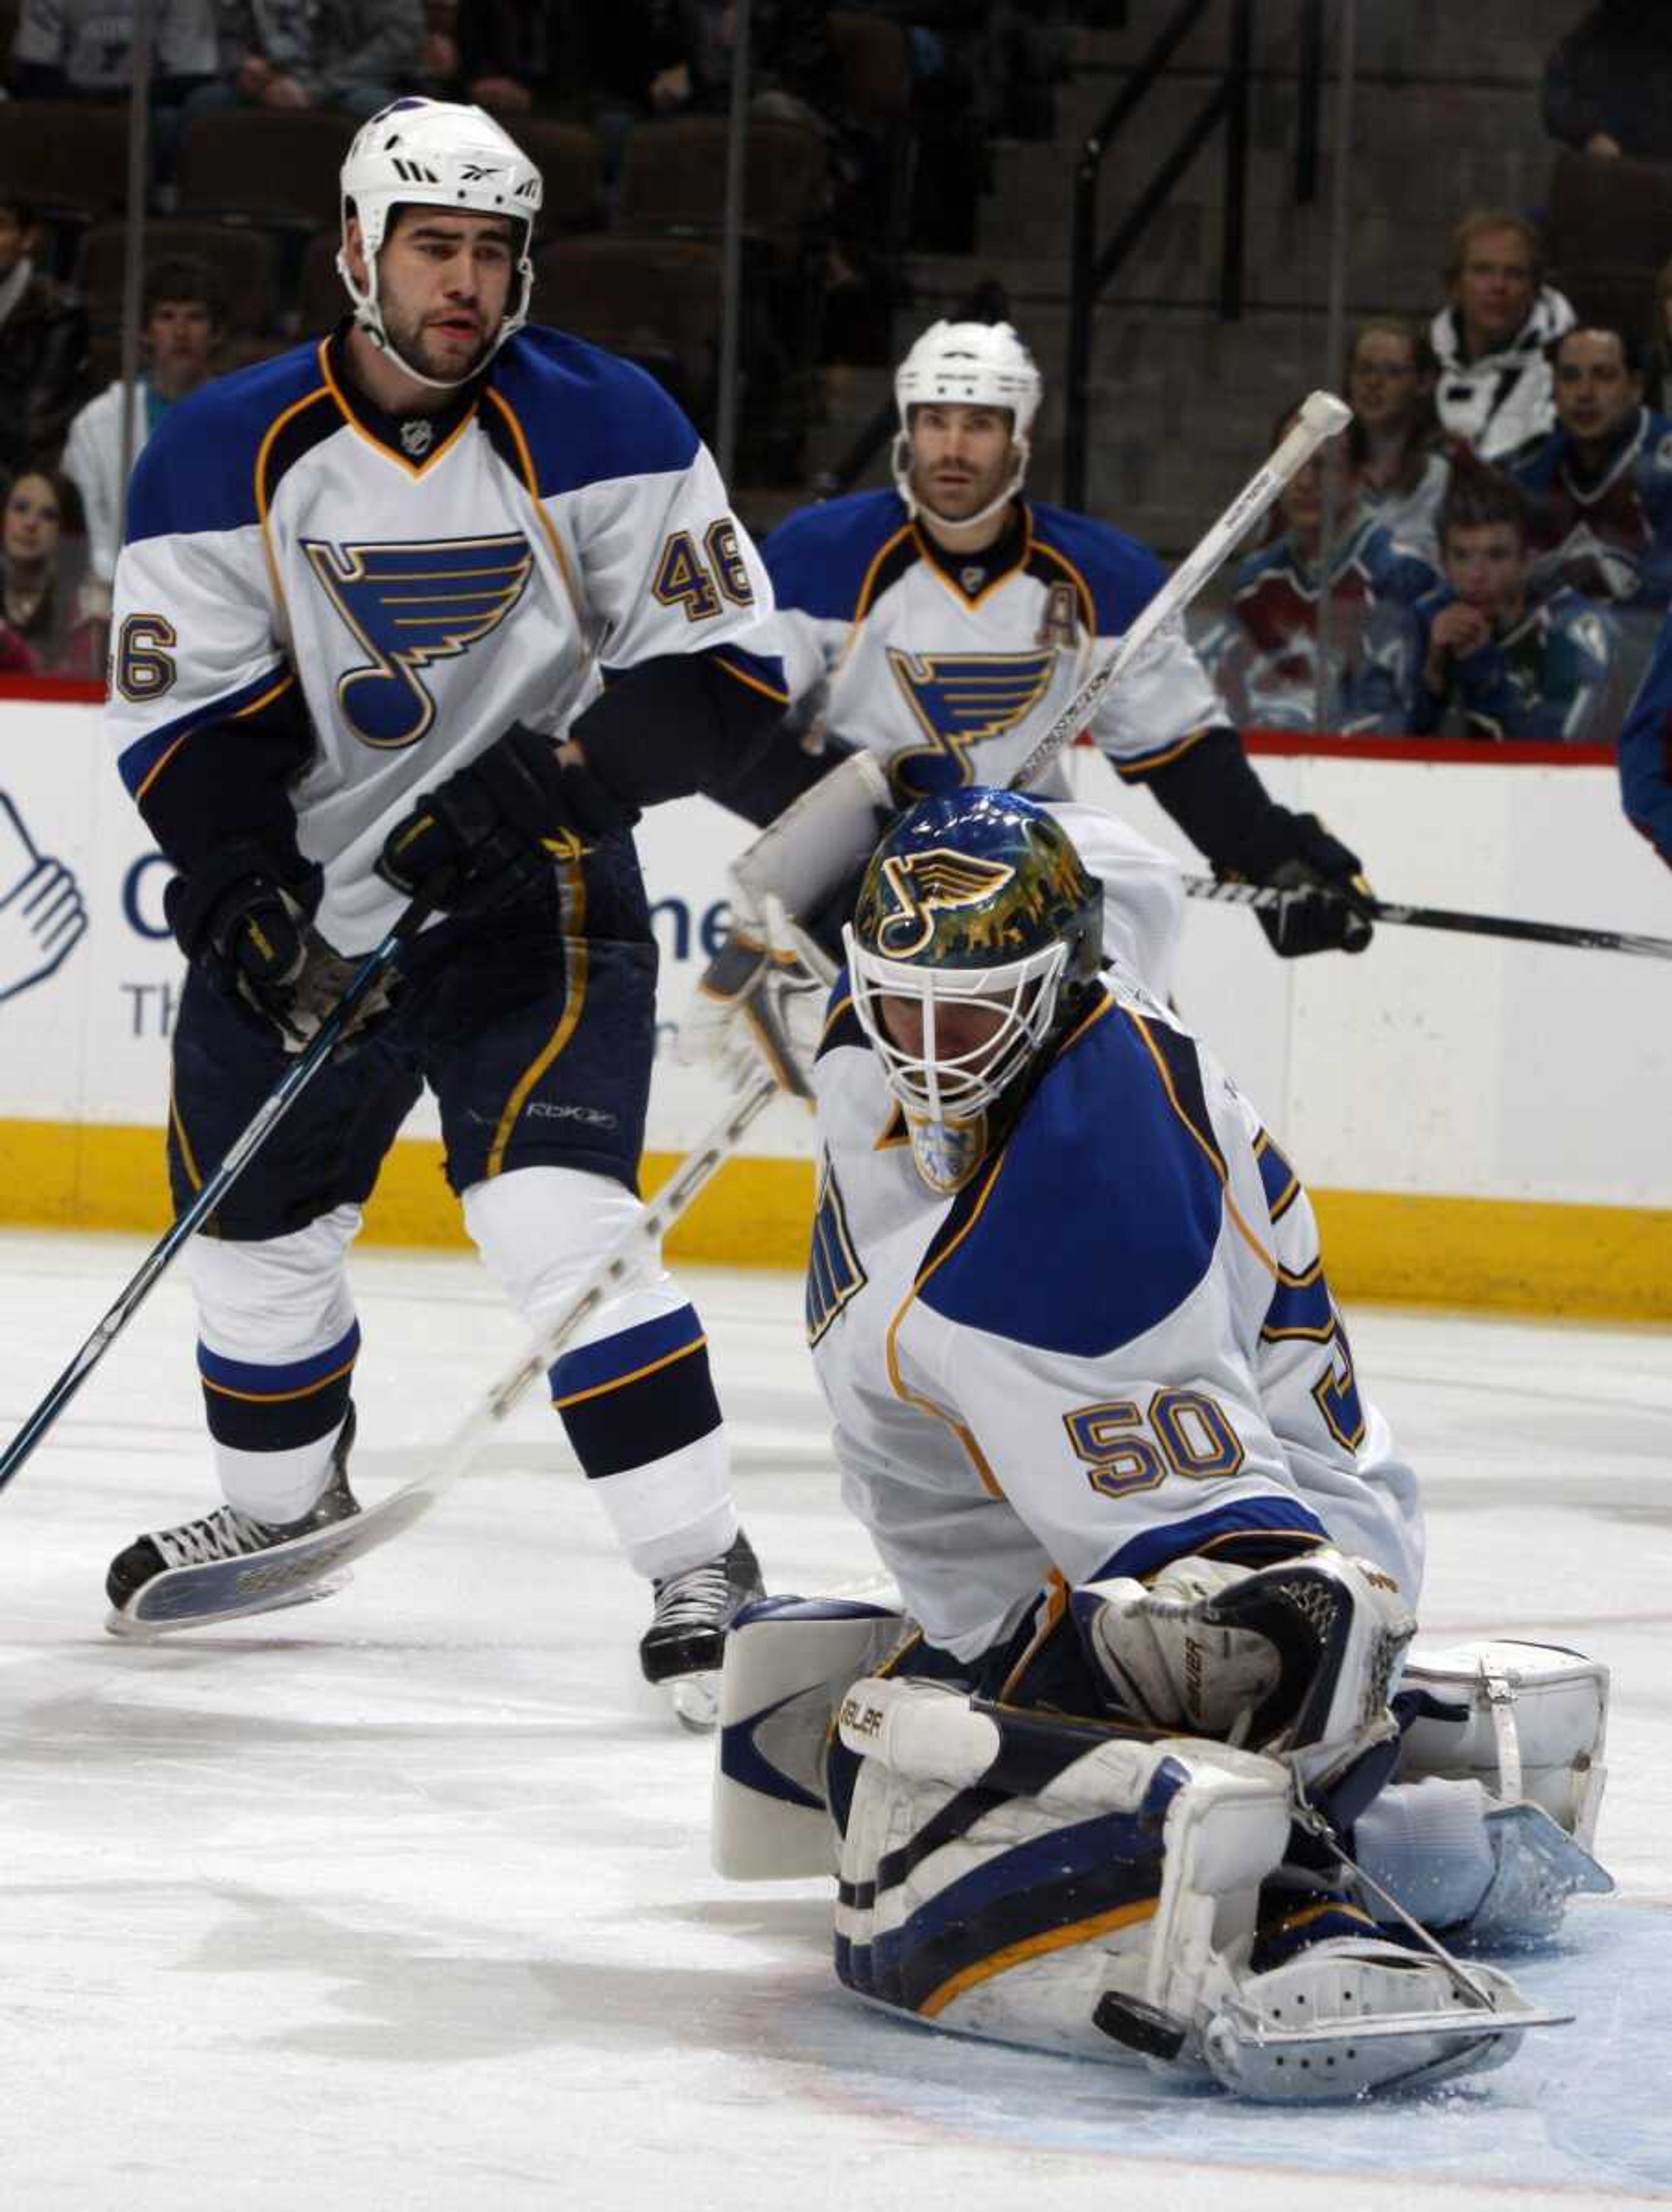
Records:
x=434, y=609
x=1158, y=1555
x=945, y=624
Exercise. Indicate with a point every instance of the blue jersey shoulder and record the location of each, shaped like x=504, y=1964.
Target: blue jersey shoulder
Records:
x=196, y=470
x=588, y=417
x=1121, y=575
x=819, y=557
x=1105, y=1211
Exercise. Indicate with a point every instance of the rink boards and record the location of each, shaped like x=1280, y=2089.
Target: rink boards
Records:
x=1481, y=1123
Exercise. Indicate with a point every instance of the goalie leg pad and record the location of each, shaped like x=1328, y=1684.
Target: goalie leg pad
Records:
x=1527, y=1720
x=1086, y=1917
x=788, y=1663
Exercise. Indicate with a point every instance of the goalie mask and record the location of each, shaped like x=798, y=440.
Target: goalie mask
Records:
x=435, y=153
x=977, y=935
x=966, y=365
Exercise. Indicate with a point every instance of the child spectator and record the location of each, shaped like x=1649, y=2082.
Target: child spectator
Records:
x=1478, y=657
x=1600, y=484
x=183, y=321
x=43, y=573
x=1494, y=390
x=43, y=343
x=1390, y=372
x=1263, y=657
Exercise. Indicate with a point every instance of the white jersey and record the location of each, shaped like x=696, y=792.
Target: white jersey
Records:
x=952, y=673
x=425, y=583
x=1115, y=1345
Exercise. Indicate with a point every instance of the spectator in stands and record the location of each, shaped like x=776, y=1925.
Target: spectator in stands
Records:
x=1264, y=655
x=1479, y=656
x=1600, y=483
x=353, y=56
x=82, y=50
x=1645, y=751
x=43, y=574
x=1390, y=373
x=1494, y=390
x=43, y=345
x=1607, y=85
x=182, y=320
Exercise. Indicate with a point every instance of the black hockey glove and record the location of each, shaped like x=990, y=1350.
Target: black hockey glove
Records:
x=493, y=828
x=250, y=935
x=1322, y=882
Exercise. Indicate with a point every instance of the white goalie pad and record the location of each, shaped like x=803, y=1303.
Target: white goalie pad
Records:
x=788, y=1663
x=1036, y=1881
x=1535, y=1731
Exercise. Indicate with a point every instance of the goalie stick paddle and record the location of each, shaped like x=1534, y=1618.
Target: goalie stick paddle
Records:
x=1322, y=416
x=289, y=1574
x=271, y=1111
x=1265, y=896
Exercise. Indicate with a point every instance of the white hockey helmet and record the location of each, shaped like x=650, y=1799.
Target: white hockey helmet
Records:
x=968, y=365
x=434, y=153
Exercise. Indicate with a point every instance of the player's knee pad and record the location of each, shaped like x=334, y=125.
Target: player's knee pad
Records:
x=1297, y=1660
x=1527, y=1720
x=542, y=1230
x=277, y=1341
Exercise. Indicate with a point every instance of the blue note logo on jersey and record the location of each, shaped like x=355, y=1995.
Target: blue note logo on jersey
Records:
x=408, y=605
x=961, y=699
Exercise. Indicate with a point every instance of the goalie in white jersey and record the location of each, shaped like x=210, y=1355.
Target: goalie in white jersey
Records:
x=1158, y=1556
x=434, y=609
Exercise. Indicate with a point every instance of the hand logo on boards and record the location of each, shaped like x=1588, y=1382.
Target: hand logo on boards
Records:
x=42, y=918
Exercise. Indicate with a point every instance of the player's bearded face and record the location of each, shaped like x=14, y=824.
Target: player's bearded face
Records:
x=443, y=283
x=961, y=457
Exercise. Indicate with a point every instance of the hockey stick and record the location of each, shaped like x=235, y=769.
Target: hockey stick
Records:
x=287, y=1574
x=1264, y=897
x=1322, y=415
x=272, y=1110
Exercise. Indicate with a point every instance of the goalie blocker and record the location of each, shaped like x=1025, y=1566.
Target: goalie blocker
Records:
x=1135, y=1897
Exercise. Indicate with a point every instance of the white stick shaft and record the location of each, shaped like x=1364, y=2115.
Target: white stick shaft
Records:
x=1321, y=417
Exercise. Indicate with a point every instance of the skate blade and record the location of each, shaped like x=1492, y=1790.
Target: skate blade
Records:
x=696, y=1701
x=1340, y=2060
x=137, y=1626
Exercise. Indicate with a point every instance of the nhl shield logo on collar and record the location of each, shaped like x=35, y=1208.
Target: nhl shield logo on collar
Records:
x=416, y=436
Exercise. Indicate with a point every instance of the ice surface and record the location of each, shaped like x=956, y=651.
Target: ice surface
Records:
x=403, y=1900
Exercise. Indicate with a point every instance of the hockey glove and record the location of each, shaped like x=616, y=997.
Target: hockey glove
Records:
x=760, y=1003
x=250, y=935
x=493, y=829
x=1322, y=882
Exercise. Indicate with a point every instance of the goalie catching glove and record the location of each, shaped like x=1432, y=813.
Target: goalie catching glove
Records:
x=762, y=1001
x=1296, y=1661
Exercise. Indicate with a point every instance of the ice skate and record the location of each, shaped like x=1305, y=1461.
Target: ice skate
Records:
x=683, y=1646
x=136, y=1584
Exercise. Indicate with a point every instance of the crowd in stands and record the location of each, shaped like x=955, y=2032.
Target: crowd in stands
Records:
x=1488, y=553
x=1499, y=558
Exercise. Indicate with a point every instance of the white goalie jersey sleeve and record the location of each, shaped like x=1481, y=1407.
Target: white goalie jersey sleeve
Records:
x=1093, y=1358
